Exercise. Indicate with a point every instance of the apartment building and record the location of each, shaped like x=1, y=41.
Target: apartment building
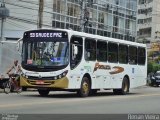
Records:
x=111, y=18
x=148, y=21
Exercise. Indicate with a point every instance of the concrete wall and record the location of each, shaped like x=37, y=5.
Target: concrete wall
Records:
x=8, y=53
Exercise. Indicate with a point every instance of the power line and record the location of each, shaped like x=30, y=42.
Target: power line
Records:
x=24, y=13
x=29, y=21
x=17, y=25
x=22, y=6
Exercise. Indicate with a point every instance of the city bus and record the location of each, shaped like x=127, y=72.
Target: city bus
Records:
x=67, y=60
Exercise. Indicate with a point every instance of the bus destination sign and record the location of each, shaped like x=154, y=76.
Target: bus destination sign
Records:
x=48, y=35
x=45, y=34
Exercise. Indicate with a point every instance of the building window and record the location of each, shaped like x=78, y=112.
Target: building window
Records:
x=57, y=6
x=72, y=10
x=142, y=2
x=145, y=11
x=127, y=24
x=101, y=17
x=115, y=21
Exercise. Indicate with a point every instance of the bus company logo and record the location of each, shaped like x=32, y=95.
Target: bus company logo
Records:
x=48, y=35
x=116, y=70
x=98, y=66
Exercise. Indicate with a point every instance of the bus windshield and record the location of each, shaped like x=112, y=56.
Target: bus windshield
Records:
x=45, y=54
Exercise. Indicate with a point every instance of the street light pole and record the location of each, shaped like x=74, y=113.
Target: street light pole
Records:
x=2, y=20
x=40, y=14
x=4, y=13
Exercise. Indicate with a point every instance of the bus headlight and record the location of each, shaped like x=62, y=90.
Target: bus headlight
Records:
x=61, y=75
x=23, y=75
x=64, y=73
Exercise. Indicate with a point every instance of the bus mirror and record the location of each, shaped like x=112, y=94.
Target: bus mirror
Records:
x=18, y=44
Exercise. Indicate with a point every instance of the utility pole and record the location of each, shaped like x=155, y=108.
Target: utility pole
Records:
x=3, y=14
x=82, y=3
x=40, y=14
x=85, y=13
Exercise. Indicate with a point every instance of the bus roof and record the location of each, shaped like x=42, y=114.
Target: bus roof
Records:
x=88, y=35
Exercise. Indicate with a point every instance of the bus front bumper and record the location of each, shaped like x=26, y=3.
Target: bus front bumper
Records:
x=30, y=83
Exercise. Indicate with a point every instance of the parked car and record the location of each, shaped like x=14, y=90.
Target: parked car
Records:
x=155, y=79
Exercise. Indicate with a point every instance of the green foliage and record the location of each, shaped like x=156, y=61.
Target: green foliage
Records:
x=153, y=67
x=157, y=59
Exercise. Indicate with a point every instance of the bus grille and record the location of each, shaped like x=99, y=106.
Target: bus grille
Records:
x=42, y=78
x=43, y=82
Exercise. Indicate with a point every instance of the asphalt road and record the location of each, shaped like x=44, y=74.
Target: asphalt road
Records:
x=142, y=100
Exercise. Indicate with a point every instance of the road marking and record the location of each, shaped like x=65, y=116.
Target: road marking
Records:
x=89, y=99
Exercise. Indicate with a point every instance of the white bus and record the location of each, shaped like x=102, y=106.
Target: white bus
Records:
x=59, y=59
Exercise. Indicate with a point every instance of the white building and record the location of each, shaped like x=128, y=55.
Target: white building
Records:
x=148, y=19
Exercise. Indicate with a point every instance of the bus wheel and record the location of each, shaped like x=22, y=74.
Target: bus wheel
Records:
x=125, y=87
x=85, y=88
x=43, y=92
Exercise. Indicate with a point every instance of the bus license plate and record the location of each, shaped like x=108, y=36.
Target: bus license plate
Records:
x=39, y=82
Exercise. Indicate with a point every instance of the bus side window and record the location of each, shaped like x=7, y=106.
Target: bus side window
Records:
x=141, y=56
x=123, y=54
x=101, y=51
x=90, y=49
x=112, y=52
x=132, y=55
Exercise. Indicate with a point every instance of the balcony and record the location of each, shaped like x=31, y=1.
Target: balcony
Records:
x=144, y=25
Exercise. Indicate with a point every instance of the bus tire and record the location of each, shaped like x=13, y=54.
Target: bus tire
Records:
x=85, y=88
x=43, y=92
x=125, y=87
